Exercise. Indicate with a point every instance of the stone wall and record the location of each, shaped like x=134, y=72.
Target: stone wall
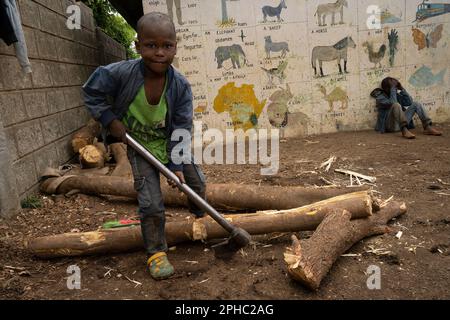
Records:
x=40, y=111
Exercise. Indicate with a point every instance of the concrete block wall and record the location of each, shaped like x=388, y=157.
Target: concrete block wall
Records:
x=109, y=51
x=40, y=111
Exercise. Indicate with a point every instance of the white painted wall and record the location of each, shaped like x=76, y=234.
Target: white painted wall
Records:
x=201, y=33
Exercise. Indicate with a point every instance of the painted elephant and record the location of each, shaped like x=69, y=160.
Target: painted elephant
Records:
x=233, y=52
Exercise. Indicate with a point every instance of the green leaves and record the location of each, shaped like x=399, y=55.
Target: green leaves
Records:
x=113, y=24
x=31, y=202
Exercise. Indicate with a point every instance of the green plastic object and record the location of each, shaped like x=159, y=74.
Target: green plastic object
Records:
x=120, y=224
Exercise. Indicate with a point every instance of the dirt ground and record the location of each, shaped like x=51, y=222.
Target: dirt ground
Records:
x=416, y=266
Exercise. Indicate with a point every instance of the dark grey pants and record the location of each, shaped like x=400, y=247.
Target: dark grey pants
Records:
x=151, y=206
x=399, y=118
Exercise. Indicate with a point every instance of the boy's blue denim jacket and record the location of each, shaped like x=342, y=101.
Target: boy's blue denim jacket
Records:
x=384, y=103
x=111, y=89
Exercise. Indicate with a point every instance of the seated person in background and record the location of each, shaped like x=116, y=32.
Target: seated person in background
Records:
x=396, y=110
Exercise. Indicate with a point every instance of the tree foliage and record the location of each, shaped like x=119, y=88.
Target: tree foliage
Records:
x=113, y=24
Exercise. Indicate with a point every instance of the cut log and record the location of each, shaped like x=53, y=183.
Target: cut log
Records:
x=99, y=185
x=85, y=135
x=94, y=172
x=309, y=261
x=123, y=166
x=93, y=156
x=234, y=197
x=221, y=196
x=127, y=239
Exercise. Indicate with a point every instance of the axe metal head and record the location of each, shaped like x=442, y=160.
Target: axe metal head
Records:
x=238, y=239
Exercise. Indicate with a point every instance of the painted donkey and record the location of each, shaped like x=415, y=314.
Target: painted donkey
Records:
x=274, y=11
x=336, y=52
x=270, y=46
x=331, y=8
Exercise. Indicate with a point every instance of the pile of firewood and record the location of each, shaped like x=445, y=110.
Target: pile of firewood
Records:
x=339, y=219
x=92, y=154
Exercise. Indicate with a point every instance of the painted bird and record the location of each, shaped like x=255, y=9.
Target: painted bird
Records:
x=242, y=36
x=375, y=56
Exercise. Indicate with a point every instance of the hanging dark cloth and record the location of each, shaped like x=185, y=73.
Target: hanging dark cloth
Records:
x=6, y=29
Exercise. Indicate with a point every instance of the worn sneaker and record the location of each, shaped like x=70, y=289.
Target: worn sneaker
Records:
x=407, y=134
x=159, y=266
x=432, y=131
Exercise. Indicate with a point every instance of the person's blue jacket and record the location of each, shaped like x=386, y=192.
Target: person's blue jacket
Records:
x=111, y=89
x=384, y=103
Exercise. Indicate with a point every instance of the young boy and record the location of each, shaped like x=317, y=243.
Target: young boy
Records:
x=149, y=99
x=396, y=110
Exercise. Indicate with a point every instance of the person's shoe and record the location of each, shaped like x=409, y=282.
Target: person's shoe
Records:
x=432, y=131
x=407, y=134
x=159, y=266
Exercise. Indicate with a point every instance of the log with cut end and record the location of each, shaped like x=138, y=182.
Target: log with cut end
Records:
x=127, y=239
x=85, y=135
x=220, y=196
x=93, y=156
x=309, y=261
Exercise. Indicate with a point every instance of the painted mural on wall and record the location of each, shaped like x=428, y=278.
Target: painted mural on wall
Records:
x=428, y=9
x=278, y=109
x=307, y=66
x=429, y=39
x=240, y=103
x=331, y=9
x=335, y=53
x=269, y=11
x=424, y=77
x=388, y=16
x=393, y=46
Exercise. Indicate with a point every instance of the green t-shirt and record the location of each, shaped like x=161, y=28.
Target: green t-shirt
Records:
x=147, y=122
